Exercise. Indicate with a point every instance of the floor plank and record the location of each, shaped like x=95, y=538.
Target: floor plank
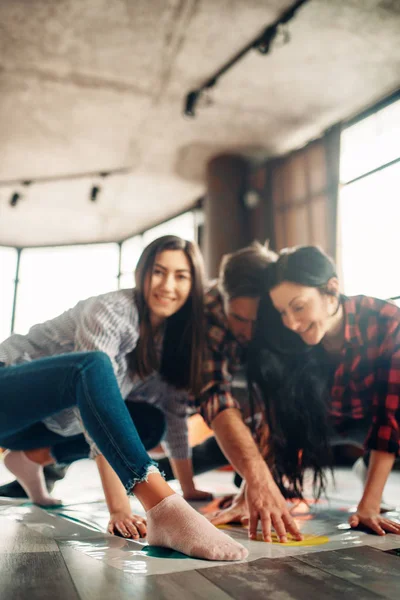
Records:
x=35, y=575
x=190, y=584
x=95, y=580
x=286, y=579
x=16, y=537
x=367, y=567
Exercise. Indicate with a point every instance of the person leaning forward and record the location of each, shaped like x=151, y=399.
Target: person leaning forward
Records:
x=231, y=308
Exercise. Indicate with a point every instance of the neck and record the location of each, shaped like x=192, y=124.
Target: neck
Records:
x=334, y=337
x=156, y=323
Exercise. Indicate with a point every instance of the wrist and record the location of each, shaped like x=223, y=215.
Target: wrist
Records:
x=187, y=487
x=369, y=503
x=120, y=507
x=259, y=470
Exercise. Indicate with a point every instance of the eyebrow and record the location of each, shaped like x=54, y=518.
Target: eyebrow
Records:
x=242, y=319
x=176, y=270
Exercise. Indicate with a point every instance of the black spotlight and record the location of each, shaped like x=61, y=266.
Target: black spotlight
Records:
x=266, y=39
x=15, y=198
x=190, y=103
x=94, y=192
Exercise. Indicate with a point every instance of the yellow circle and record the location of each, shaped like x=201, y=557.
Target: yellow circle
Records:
x=308, y=540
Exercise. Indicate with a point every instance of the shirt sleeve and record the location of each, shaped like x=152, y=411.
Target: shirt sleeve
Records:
x=384, y=434
x=103, y=327
x=216, y=395
x=176, y=438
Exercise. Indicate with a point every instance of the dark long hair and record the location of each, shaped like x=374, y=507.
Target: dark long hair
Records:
x=293, y=378
x=181, y=359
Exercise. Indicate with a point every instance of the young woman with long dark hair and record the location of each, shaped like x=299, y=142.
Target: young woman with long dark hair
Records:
x=328, y=365
x=90, y=358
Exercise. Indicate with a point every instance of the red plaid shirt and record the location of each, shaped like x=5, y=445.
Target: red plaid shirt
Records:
x=367, y=378
x=223, y=357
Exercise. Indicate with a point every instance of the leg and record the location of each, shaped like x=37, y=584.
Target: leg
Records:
x=52, y=473
x=149, y=422
x=25, y=460
x=66, y=450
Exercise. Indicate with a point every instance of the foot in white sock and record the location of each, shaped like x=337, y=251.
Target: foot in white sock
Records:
x=30, y=476
x=173, y=523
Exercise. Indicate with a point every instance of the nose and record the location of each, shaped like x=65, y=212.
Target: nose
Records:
x=291, y=322
x=168, y=283
x=247, y=331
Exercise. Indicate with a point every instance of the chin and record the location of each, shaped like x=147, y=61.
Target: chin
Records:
x=164, y=314
x=311, y=341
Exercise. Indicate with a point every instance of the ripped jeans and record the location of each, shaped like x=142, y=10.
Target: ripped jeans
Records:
x=32, y=391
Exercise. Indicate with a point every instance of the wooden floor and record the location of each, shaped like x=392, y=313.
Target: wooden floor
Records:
x=36, y=566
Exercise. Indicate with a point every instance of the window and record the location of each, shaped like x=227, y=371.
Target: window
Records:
x=131, y=250
x=8, y=269
x=369, y=204
x=55, y=279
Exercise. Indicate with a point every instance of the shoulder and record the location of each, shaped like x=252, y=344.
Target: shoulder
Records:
x=119, y=305
x=217, y=330
x=373, y=314
x=214, y=303
x=367, y=305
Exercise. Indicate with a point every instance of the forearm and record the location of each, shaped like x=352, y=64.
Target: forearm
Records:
x=115, y=494
x=238, y=445
x=183, y=471
x=380, y=466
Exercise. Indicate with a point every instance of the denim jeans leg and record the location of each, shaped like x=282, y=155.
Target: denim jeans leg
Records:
x=148, y=420
x=32, y=391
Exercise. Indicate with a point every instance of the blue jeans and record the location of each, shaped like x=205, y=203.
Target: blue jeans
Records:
x=148, y=420
x=32, y=391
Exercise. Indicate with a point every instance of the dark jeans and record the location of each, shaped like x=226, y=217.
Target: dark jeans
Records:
x=32, y=391
x=148, y=420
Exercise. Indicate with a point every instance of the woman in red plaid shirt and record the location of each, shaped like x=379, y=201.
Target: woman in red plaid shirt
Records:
x=329, y=368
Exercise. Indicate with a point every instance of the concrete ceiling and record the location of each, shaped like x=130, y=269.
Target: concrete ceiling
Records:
x=97, y=85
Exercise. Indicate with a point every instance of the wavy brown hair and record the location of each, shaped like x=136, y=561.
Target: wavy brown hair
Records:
x=183, y=342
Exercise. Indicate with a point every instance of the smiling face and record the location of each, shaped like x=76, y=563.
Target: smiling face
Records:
x=168, y=286
x=305, y=310
x=241, y=314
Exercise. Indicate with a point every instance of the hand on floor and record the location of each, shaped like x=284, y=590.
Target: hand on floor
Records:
x=234, y=511
x=127, y=525
x=375, y=521
x=268, y=506
x=194, y=494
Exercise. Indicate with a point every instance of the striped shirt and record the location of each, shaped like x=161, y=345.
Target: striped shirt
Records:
x=108, y=323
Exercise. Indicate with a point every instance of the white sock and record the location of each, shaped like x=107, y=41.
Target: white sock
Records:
x=30, y=476
x=173, y=523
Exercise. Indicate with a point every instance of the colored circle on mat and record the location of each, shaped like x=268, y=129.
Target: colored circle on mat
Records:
x=160, y=552
x=308, y=540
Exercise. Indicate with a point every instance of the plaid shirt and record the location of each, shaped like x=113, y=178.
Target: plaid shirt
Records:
x=224, y=356
x=366, y=381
